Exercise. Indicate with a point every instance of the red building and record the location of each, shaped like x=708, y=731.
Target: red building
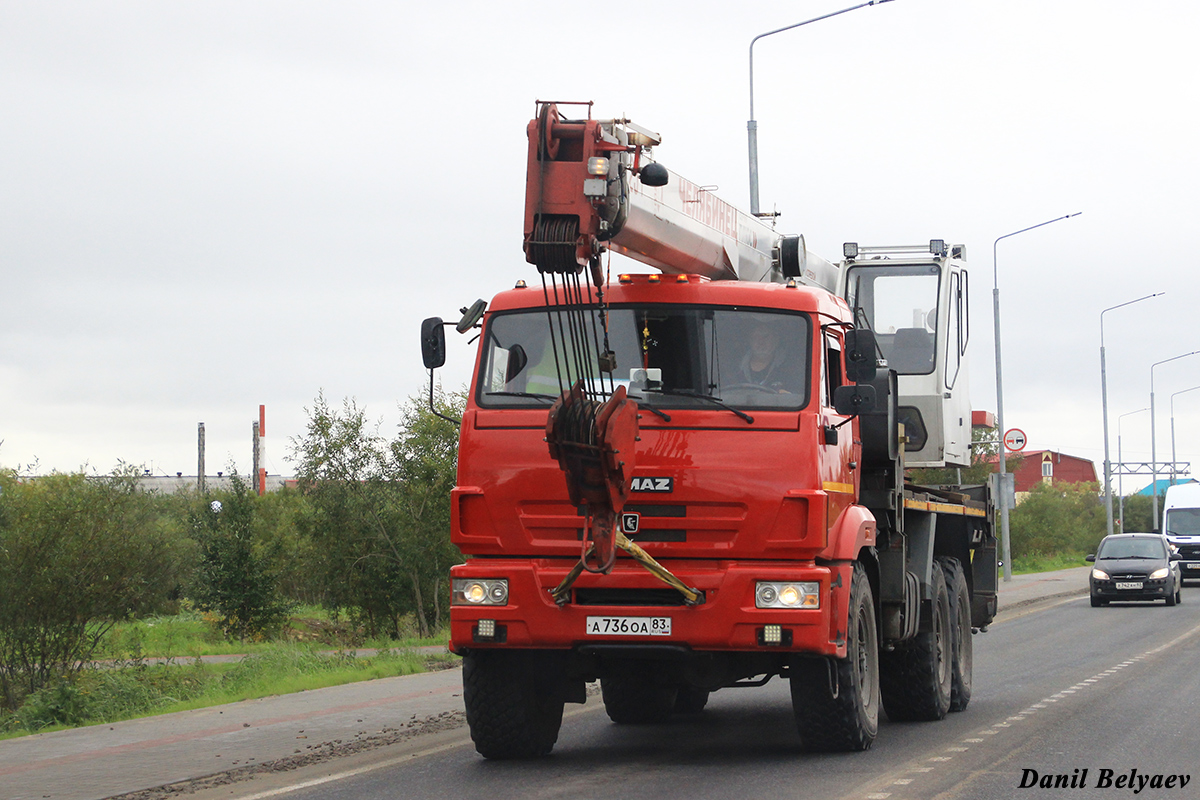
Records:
x=1048, y=466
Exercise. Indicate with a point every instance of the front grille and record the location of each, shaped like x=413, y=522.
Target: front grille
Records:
x=629, y=597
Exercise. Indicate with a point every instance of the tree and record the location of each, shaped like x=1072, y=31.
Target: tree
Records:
x=236, y=578
x=77, y=555
x=1139, y=512
x=1059, y=518
x=379, y=510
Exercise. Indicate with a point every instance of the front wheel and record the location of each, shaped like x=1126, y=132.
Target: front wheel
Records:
x=836, y=701
x=512, y=710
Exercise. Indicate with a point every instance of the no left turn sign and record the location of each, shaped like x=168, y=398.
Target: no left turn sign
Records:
x=1014, y=439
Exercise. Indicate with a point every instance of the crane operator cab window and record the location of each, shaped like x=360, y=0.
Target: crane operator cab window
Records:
x=669, y=356
x=900, y=305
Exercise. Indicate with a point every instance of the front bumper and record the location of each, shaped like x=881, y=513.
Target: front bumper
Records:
x=1150, y=589
x=727, y=620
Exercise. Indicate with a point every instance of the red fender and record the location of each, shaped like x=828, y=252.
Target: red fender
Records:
x=853, y=530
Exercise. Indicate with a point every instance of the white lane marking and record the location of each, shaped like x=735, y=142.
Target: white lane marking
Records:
x=350, y=773
x=1041, y=704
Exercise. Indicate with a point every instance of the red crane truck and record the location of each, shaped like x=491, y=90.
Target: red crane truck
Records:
x=694, y=480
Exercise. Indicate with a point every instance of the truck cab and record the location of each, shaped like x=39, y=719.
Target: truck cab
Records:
x=1181, y=524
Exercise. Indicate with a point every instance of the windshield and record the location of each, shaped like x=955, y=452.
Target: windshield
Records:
x=669, y=356
x=1183, y=521
x=1140, y=547
x=900, y=304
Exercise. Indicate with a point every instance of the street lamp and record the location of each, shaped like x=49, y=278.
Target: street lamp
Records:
x=752, y=125
x=1003, y=481
x=1121, y=465
x=1104, y=405
x=1182, y=391
x=1153, y=452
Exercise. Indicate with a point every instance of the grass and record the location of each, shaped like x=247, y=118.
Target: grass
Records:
x=1035, y=562
x=136, y=689
x=313, y=651
x=191, y=633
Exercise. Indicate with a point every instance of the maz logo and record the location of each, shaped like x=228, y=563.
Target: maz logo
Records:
x=653, y=484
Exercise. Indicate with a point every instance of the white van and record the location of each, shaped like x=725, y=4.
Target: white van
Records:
x=1181, y=524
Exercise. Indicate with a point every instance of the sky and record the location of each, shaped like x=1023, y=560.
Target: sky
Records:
x=208, y=206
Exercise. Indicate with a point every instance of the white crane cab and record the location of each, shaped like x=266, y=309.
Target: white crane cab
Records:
x=915, y=300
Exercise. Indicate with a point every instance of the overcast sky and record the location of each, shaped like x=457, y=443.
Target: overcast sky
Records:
x=208, y=206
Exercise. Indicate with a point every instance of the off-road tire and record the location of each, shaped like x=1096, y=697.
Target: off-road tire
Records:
x=510, y=711
x=633, y=697
x=690, y=700
x=960, y=618
x=916, y=677
x=849, y=721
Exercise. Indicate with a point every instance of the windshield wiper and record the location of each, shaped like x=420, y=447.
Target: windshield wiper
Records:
x=547, y=398
x=666, y=417
x=714, y=400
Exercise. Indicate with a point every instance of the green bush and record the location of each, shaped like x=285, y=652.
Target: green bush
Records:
x=237, y=578
x=77, y=554
x=378, y=512
x=1061, y=518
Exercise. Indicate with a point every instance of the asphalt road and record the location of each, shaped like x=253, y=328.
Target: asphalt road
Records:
x=1060, y=688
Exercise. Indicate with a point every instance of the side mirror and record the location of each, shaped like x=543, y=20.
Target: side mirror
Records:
x=852, y=400
x=433, y=343
x=860, y=355
x=1176, y=557
x=516, y=362
x=1091, y=559
x=470, y=316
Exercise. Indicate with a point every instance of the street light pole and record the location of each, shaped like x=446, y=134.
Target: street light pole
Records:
x=1108, y=511
x=752, y=124
x=1182, y=391
x=1003, y=481
x=1153, y=451
x=1120, y=465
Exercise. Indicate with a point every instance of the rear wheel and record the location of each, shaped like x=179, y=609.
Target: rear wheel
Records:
x=633, y=696
x=960, y=634
x=511, y=708
x=690, y=700
x=836, y=701
x=916, y=677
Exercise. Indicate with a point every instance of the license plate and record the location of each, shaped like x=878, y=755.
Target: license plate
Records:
x=628, y=626
x=1129, y=584
x=1190, y=564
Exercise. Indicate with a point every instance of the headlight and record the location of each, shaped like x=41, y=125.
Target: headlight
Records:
x=774, y=594
x=1159, y=574
x=1099, y=574
x=487, y=592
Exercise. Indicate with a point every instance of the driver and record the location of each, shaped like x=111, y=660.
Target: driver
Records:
x=764, y=361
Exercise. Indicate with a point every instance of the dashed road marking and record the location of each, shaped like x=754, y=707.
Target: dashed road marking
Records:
x=1044, y=703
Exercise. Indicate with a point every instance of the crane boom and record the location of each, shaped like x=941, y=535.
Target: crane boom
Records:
x=593, y=185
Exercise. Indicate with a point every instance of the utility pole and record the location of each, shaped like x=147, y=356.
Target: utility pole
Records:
x=200, y=458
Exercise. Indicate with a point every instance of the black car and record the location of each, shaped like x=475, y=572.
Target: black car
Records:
x=1135, y=566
